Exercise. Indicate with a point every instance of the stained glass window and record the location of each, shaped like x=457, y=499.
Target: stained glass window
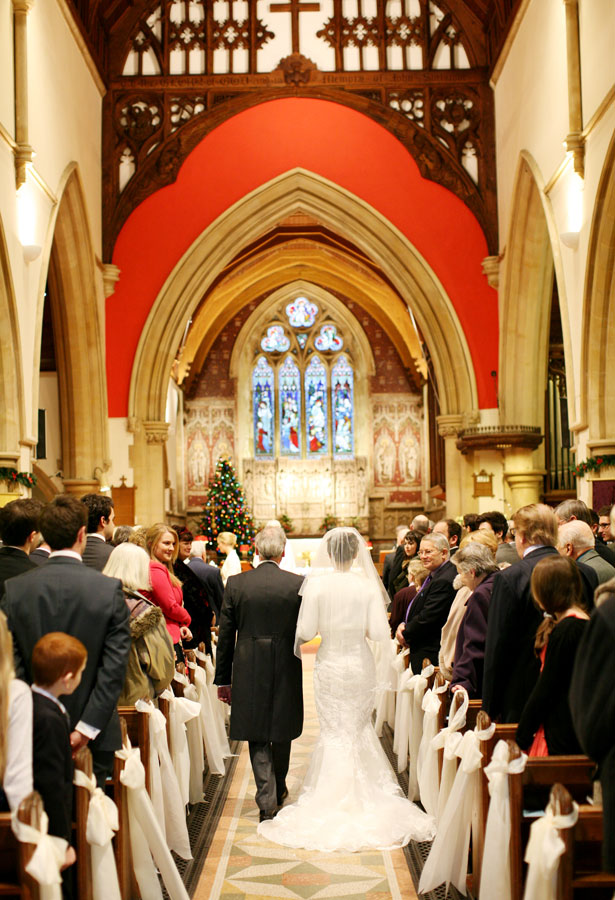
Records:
x=262, y=398
x=302, y=339
x=328, y=339
x=275, y=341
x=316, y=407
x=342, y=402
x=289, y=386
x=301, y=312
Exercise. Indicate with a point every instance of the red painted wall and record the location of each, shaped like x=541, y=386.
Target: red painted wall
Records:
x=261, y=143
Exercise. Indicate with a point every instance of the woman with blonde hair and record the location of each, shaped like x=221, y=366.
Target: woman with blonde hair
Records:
x=151, y=661
x=15, y=728
x=166, y=592
x=227, y=542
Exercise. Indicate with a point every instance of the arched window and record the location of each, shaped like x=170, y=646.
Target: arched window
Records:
x=302, y=386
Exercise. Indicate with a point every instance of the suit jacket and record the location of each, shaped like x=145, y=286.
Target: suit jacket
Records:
x=511, y=667
x=603, y=569
x=52, y=763
x=507, y=553
x=210, y=578
x=64, y=595
x=13, y=562
x=589, y=583
x=396, y=566
x=470, y=644
x=427, y=616
x=39, y=556
x=386, y=568
x=96, y=553
x=260, y=612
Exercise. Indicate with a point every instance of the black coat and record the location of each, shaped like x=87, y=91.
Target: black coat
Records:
x=52, y=764
x=96, y=553
x=260, y=610
x=511, y=667
x=39, y=556
x=470, y=644
x=428, y=614
x=592, y=702
x=197, y=603
x=64, y=595
x=13, y=562
x=210, y=578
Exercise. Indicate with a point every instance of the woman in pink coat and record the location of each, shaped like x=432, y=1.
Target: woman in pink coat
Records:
x=162, y=546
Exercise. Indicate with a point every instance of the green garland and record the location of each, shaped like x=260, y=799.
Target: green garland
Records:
x=593, y=464
x=12, y=476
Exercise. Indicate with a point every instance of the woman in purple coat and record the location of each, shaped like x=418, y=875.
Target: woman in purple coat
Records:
x=477, y=570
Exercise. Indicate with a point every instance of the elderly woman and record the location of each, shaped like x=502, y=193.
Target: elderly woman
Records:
x=151, y=661
x=477, y=570
x=417, y=573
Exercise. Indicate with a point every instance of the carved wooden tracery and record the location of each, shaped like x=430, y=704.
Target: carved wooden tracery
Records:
x=176, y=71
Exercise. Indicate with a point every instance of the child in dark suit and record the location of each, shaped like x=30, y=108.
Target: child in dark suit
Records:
x=58, y=661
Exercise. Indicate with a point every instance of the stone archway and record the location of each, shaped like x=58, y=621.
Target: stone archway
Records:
x=598, y=343
x=259, y=211
x=11, y=374
x=77, y=319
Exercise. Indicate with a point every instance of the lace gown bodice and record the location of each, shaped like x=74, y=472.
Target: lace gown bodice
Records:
x=350, y=799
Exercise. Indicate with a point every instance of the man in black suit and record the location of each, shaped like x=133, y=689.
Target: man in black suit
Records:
x=569, y=510
x=41, y=554
x=100, y=530
x=64, y=595
x=260, y=610
x=19, y=524
x=209, y=576
x=429, y=610
x=393, y=560
x=511, y=666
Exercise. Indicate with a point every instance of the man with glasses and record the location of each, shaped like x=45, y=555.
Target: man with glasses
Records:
x=429, y=610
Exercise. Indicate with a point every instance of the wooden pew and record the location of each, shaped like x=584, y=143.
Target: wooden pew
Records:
x=83, y=761
x=15, y=856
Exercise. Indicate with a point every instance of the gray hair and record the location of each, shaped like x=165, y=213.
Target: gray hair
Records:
x=477, y=557
x=401, y=528
x=270, y=542
x=129, y=563
x=197, y=549
x=438, y=540
x=577, y=533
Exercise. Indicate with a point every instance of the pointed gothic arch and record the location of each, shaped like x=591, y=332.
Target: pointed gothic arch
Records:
x=598, y=340
x=11, y=373
x=77, y=319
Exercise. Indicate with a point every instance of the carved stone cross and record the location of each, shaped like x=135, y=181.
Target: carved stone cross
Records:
x=294, y=7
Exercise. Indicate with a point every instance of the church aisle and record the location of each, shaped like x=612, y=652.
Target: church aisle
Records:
x=241, y=865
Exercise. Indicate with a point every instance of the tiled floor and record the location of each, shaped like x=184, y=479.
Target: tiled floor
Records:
x=243, y=866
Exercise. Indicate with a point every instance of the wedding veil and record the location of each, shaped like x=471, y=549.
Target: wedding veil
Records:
x=336, y=549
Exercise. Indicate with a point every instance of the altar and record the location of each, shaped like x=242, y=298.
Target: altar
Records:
x=303, y=550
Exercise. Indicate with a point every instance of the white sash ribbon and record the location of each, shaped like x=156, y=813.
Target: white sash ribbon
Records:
x=48, y=858
x=101, y=825
x=147, y=842
x=427, y=763
x=211, y=739
x=180, y=712
x=495, y=874
x=385, y=705
x=220, y=709
x=417, y=685
x=194, y=732
x=543, y=852
x=405, y=698
x=166, y=798
x=452, y=739
x=447, y=862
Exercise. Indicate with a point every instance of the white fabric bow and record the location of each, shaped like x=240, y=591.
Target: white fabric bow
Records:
x=194, y=731
x=211, y=737
x=147, y=842
x=495, y=874
x=543, y=852
x=219, y=708
x=102, y=823
x=48, y=858
x=405, y=699
x=417, y=685
x=180, y=712
x=427, y=774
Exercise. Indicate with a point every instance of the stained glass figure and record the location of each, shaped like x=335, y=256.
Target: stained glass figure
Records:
x=328, y=339
x=289, y=387
x=301, y=312
x=316, y=407
x=275, y=341
x=263, y=409
x=302, y=339
x=343, y=407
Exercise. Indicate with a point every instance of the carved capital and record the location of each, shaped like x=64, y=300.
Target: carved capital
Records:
x=111, y=276
x=156, y=432
x=24, y=154
x=491, y=271
x=575, y=144
x=450, y=425
x=22, y=6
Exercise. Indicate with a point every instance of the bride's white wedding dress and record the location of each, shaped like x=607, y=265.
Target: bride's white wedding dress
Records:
x=350, y=799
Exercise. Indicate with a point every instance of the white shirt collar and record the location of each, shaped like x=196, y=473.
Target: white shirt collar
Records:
x=531, y=549
x=44, y=693
x=98, y=535
x=71, y=553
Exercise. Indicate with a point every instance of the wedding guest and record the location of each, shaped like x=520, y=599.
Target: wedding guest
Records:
x=19, y=531
x=417, y=573
x=545, y=727
x=208, y=575
x=15, y=728
x=100, y=530
x=121, y=534
x=196, y=598
x=411, y=548
x=151, y=661
x=227, y=542
x=162, y=545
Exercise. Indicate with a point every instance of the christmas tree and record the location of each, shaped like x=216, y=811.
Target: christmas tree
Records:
x=225, y=508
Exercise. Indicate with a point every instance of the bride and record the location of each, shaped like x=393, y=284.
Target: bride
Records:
x=350, y=799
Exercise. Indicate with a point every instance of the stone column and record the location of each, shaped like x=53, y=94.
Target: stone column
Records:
x=575, y=142
x=456, y=466
x=23, y=151
x=524, y=480
x=148, y=465
x=80, y=486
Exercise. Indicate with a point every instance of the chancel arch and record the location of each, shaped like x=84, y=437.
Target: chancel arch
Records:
x=258, y=212
x=11, y=376
x=73, y=294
